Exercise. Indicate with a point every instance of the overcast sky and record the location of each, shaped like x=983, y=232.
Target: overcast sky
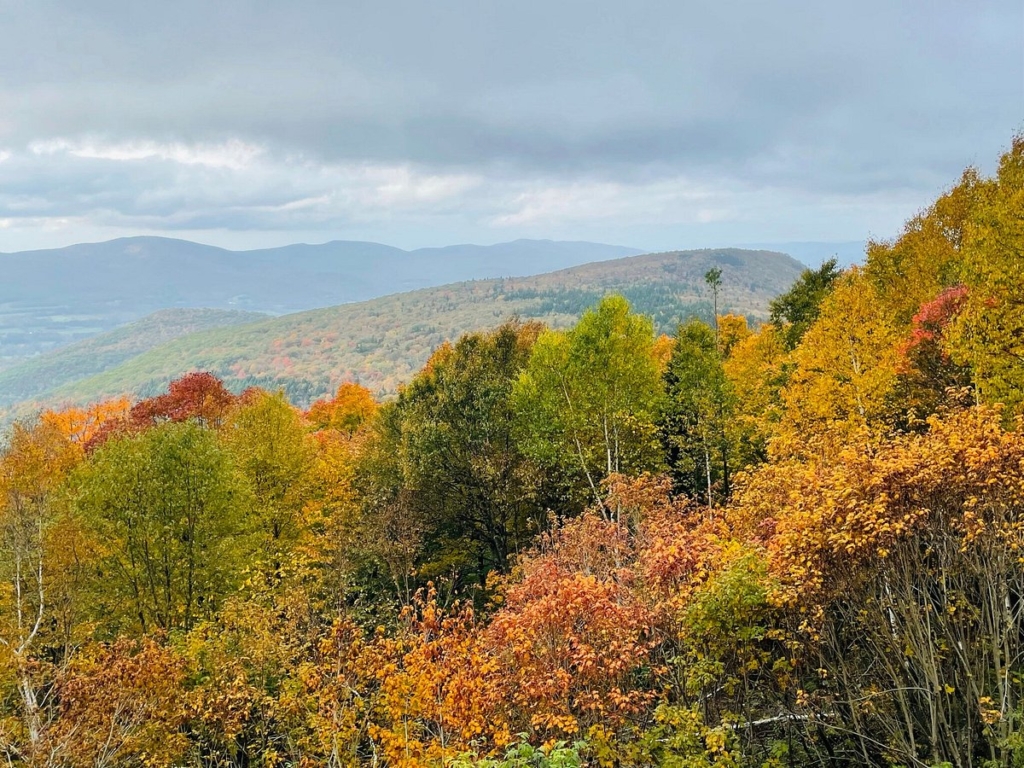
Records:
x=661, y=125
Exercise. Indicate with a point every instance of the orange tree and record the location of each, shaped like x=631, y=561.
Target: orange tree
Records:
x=900, y=558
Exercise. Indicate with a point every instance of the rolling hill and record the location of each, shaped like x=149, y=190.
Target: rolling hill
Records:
x=54, y=297
x=381, y=342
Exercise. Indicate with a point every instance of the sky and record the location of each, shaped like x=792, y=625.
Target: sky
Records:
x=660, y=125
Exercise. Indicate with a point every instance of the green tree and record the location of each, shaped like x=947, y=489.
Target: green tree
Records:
x=274, y=452
x=166, y=508
x=794, y=311
x=694, y=423
x=589, y=396
x=388, y=542
x=454, y=457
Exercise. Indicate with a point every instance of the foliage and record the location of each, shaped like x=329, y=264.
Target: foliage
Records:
x=757, y=367
x=351, y=407
x=844, y=370
x=929, y=254
x=818, y=563
x=38, y=565
x=271, y=448
x=588, y=397
x=121, y=704
x=165, y=508
x=454, y=459
x=84, y=426
x=988, y=332
x=794, y=311
x=525, y=755
x=195, y=396
x=903, y=559
x=927, y=379
x=571, y=636
x=695, y=418
x=680, y=739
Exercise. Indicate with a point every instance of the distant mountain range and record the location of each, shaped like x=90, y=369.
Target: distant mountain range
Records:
x=52, y=297
x=381, y=342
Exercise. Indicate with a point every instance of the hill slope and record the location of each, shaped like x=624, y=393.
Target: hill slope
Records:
x=41, y=374
x=53, y=297
x=380, y=343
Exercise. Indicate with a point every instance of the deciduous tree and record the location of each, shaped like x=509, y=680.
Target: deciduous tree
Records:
x=35, y=571
x=589, y=396
x=165, y=507
x=274, y=452
x=988, y=335
x=844, y=370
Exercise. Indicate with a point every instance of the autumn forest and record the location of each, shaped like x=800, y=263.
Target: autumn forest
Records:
x=797, y=544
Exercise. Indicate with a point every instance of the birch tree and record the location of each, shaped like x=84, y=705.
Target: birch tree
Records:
x=589, y=396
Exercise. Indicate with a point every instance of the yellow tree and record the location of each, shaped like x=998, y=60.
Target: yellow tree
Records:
x=988, y=334
x=332, y=532
x=901, y=558
x=732, y=330
x=82, y=425
x=756, y=368
x=274, y=452
x=35, y=462
x=120, y=704
x=433, y=678
x=925, y=259
x=351, y=407
x=844, y=367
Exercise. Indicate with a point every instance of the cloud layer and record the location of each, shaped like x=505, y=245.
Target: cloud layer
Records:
x=657, y=124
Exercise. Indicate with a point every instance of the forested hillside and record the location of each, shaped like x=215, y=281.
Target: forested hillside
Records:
x=44, y=373
x=381, y=343
x=794, y=543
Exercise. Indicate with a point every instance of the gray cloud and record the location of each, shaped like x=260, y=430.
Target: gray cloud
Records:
x=452, y=120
